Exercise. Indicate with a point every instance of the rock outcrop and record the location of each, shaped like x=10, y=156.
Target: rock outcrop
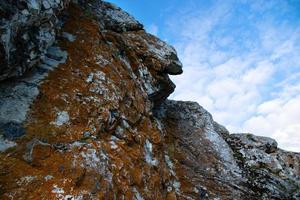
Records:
x=223, y=165
x=27, y=29
x=84, y=115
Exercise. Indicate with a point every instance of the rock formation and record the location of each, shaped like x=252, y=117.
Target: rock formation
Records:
x=84, y=115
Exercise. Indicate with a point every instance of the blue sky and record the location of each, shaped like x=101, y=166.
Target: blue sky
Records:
x=241, y=59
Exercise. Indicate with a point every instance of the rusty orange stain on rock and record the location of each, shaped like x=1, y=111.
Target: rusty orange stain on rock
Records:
x=96, y=93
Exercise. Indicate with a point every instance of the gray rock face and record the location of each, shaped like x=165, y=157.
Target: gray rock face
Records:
x=192, y=115
x=17, y=95
x=6, y=144
x=250, y=141
x=271, y=172
x=114, y=18
x=248, y=166
x=207, y=156
x=27, y=30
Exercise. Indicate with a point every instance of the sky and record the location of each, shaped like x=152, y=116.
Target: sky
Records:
x=241, y=60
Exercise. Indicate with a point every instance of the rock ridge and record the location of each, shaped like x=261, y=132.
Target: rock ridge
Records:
x=84, y=115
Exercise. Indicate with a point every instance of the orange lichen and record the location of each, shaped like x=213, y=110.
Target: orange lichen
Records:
x=88, y=138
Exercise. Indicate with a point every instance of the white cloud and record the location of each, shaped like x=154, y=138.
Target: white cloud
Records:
x=250, y=83
x=278, y=119
x=260, y=74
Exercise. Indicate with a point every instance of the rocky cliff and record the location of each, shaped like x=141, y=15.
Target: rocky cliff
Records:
x=84, y=115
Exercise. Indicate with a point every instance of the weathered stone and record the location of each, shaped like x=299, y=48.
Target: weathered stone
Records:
x=199, y=149
x=69, y=36
x=46, y=4
x=267, y=168
x=16, y=96
x=36, y=151
x=92, y=121
x=6, y=144
x=62, y=118
x=113, y=18
x=249, y=141
x=12, y=130
x=38, y=22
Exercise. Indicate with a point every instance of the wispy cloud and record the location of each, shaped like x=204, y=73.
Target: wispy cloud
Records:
x=241, y=61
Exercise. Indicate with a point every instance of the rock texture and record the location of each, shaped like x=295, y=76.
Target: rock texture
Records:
x=226, y=166
x=27, y=30
x=86, y=117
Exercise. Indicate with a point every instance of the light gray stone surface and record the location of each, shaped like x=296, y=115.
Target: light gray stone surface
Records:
x=27, y=30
